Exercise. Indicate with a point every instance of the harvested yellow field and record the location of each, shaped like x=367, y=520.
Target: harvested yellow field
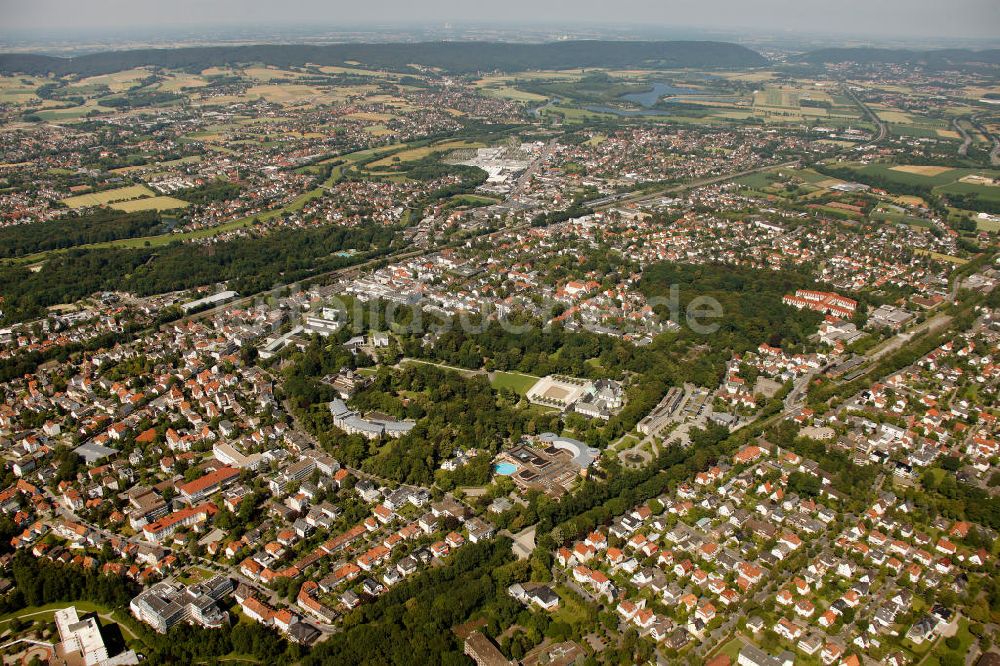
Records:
x=267, y=74
x=920, y=170
x=177, y=82
x=948, y=134
x=283, y=93
x=370, y=116
x=895, y=117
x=378, y=130
x=512, y=79
x=117, y=82
x=750, y=77
x=910, y=200
x=150, y=203
x=217, y=71
x=18, y=89
x=777, y=97
x=977, y=92
x=508, y=92
x=395, y=102
x=109, y=196
x=359, y=71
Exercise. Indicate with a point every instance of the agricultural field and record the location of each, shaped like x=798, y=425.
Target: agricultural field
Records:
x=514, y=79
x=358, y=71
x=178, y=81
x=573, y=115
x=69, y=114
x=804, y=102
x=940, y=178
x=109, y=196
x=117, y=82
x=268, y=74
x=18, y=89
x=508, y=92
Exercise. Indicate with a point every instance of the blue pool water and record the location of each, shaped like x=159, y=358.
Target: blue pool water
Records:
x=505, y=468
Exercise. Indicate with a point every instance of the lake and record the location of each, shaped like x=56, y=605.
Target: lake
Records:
x=651, y=97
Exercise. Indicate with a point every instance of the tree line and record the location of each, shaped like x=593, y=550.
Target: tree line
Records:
x=252, y=264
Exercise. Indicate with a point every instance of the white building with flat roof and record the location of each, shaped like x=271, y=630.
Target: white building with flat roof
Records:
x=83, y=638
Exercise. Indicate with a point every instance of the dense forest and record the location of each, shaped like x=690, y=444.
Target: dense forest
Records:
x=99, y=226
x=252, y=264
x=458, y=57
x=752, y=313
x=452, y=412
x=217, y=190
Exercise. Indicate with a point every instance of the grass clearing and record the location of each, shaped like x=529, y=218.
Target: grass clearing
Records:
x=194, y=574
x=414, y=154
x=513, y=380
x=892, y=116
x=942, y=257
x=992, y=226
x=570, y=610
x=46, y=612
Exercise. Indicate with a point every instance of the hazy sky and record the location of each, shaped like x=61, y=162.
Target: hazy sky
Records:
x=904, y=18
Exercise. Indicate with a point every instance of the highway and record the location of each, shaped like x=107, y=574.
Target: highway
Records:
x=963, y=150
x=883, y=130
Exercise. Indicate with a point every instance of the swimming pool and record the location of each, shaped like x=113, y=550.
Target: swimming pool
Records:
x=505, y=468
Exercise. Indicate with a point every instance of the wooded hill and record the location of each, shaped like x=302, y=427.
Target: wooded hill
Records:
x=456, y=57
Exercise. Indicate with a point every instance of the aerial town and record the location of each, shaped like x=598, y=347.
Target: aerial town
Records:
x=382, y=360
